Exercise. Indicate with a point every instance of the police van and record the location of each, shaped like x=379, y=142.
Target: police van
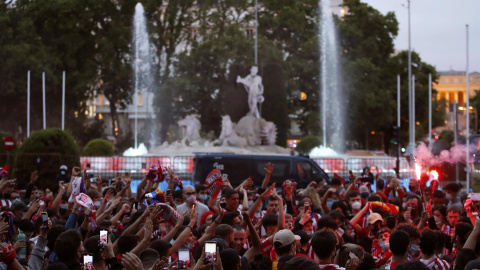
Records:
x=236, y=168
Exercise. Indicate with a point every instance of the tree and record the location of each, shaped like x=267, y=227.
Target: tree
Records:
x=98, y=147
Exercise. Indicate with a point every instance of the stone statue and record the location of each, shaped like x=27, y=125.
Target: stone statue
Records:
x=228, y=137
x=253, y=85
x=192, y=128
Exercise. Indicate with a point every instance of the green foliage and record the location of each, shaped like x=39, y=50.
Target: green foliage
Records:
x=307, y=143
x=98, y=147
x=45, y=151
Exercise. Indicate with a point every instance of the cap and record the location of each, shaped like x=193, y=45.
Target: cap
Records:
x=284, y=238
x=63, y=167
x=374, y=217
x=304, y=238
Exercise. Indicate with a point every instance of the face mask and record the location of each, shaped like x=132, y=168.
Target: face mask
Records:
x=330, y=202
x=413, y=248
x=385, y=246
x=64, y=206
x=356, y=205
x=97, y=204
x=448, y=196
x=202, y=197
x=310, y=233
x=16, y=200
x=62, y=172
x=250, y=204
x=191, y=199
x=438, y=220
x=189, y=246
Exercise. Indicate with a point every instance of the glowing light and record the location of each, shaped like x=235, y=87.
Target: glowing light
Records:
x=418, y=170
x=434, y=174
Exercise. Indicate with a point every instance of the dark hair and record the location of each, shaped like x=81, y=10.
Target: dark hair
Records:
x=412, y=231
x=438, y=194
x=337, y=214
x=224, y=231
x=114, y=192
x=269, y=220
x=462, y=229
x=230, y=259
x=200, y=187
x=442, y=209
x=260, y=262
x=92, y=246
x=67, y=244
x=428, y=241
x=336, y=181
x=272, y=198
x=374, y=198
x=57, y=266
x=230, y=193
x=441, y=239
x=327, y=222
x=352, y=193
x=473, y=265
x=148, y=257
x=412, y=265
x=161, y=246
x=177, y=194
x=126, y=243
x=53, y=234
x=324, y=243
x=300, y=263
x=455, y=208
x=340, y=204
x=229, y=217
x=464, y=255
x=399, y=241
x=25, y=225
x=282, y=250
x=452, y=187
x=380, y=184
x=367, y=263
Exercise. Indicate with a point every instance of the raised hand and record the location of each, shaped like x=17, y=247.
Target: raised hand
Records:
x=268, y=192
x=76, y=171
x=131, y=261
x=33, y=177
x=269, y=168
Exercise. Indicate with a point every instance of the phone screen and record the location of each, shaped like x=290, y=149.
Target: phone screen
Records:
x=45, y=218
x=103, y=237
x=224, y=176
x=87, y=262
x=183, y=258
x=210, y=251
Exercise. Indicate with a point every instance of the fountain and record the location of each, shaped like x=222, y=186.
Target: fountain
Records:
x=144, y=82
x=332, y=107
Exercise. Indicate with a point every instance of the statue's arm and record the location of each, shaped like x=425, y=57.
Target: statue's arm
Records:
x=260, y=86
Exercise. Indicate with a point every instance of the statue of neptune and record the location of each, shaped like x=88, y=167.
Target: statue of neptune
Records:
x=253, y=85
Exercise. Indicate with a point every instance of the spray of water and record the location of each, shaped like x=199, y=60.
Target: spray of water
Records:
x=144, y=82
x=332, y=107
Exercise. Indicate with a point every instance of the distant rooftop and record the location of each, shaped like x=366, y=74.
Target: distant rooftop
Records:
x=453, y=72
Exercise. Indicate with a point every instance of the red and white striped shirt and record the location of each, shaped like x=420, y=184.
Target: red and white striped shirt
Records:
x=435, y=263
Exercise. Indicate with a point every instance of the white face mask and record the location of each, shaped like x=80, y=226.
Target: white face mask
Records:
x=448, y=196
x=438, y=220
x=97, y=204
x=356, y=205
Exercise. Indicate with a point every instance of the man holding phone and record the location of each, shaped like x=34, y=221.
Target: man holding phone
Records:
x=189, y=194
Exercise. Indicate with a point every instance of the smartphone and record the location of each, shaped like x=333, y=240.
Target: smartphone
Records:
x=193, y=207
x=45, y=219
x=224, y=176
x=306, y=207
x=87, y=262
x=210, y=251
x=183, y=258
x=135, y=205
x=103, y=238
x=168, y=192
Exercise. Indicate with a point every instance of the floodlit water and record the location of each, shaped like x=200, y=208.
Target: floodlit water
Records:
x=143, y=74
x=332, y=105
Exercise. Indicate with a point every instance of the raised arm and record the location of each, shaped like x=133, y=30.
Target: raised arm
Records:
x=357, y=217
x=256, y=242
x=178, y=243
x=147, y=234
x=58, y=199
x=259, y=200
x=268, y=171
x=169, y=236
x=211, y=229
x=325, y=207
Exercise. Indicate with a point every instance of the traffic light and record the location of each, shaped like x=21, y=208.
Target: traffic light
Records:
x=395, y=135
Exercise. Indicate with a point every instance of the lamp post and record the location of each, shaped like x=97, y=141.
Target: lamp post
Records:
x=410, y=94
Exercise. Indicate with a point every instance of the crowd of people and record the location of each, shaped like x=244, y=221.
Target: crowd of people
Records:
x=90, y=223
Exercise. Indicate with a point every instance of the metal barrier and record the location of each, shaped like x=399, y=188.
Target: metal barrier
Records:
x=341, y=166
